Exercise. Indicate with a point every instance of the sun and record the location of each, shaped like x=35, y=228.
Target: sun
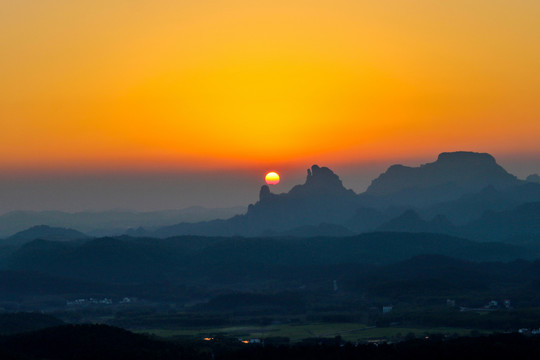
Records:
x=272, y=178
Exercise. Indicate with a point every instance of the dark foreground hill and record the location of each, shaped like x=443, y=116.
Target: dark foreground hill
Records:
x=83, y=342
x=80, y=342
x=13, y=323
x=500, y=346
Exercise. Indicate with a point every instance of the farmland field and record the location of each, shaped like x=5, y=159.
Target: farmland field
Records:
x=296, y=332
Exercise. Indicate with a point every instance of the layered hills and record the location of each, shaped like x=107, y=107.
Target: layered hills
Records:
x=445, y=196
x=321, y=199
x=113, y=222
x=189, y=258
x=465, y=194
x=320, y=252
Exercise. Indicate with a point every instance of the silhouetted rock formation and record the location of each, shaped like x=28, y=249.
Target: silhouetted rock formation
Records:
x=321, y=199
x=264, y=194
x=456, y=189
x=322, y=179
x=452, y=175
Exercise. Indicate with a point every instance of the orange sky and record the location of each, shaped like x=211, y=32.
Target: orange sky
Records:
x=146, y=85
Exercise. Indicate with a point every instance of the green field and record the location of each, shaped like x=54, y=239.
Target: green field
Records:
x=348, y=331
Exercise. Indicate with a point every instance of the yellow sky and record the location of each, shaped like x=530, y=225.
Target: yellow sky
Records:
x=206, y=84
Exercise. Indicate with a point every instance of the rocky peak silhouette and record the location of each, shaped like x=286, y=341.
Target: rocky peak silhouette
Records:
x=322, y=177
x=322, y=198
x=265, y=193
x=453, y=172
x=317, y=173
x=321, y=182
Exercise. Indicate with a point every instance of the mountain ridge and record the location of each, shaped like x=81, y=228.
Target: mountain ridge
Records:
x=455, y=189
x=322, y=199
x=453, y=174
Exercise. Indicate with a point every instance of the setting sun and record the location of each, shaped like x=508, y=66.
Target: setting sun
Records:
x=272, y=178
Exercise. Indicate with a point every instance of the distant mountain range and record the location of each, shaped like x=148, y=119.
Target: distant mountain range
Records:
x=451, y=176
x=113, y=222
x=454, y=190
x=464, y=194
x=189, y=258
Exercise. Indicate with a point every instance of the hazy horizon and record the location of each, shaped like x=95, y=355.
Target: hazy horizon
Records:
x=152, y=191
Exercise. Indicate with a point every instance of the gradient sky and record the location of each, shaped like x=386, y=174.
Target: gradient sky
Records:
x=105, y=95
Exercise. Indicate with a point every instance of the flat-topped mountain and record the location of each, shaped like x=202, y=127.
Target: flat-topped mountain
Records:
x=452, y=175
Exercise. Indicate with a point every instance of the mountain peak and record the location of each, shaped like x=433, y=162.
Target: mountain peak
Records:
x=322, y=198
x=465, y=156
x=265, y=193
x=318, y=177
x=319, y=172
x=450, y=176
